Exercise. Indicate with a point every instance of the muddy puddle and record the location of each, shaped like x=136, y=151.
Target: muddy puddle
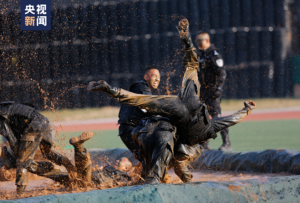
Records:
x=38, y=186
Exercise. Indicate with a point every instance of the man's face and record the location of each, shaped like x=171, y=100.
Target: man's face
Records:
x=202, y=44
x=153, y=78
x=203, y=41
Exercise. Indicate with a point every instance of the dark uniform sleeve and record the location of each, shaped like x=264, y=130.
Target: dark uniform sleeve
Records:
x=133, y=114
x=141, y=88
x=219, y=70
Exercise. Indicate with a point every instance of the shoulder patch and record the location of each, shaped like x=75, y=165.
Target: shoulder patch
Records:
x=216, y=53
x=220, y=62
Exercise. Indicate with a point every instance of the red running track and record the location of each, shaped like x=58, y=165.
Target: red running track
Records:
x=114, y=126
x=273, y=116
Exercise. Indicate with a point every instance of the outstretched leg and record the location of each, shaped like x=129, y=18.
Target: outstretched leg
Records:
x=168, y=106
x=184, y=155
x=190, y=59
x=41, y=168
x=82, y=157
x=27, y=148
x=160, y=156
x=50, y=153
x=225, y=122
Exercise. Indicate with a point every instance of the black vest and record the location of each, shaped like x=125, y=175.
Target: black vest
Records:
x=131, y=114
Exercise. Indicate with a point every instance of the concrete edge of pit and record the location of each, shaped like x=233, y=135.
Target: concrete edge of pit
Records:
x=276, y=189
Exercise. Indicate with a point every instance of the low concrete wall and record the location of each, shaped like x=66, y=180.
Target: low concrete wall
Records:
x=275, y=189
x=283, y=189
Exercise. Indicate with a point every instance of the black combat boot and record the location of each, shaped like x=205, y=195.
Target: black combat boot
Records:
x=77, y=142
x=21, y=180
x=103, y=86
x=20, y=189
x=249, y=106
x=237, y=117
x=226, y=146
x=184, y=33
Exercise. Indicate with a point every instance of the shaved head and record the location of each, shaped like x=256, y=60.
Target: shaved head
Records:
x=203, y=36
x=123, y=164
x=152, y=76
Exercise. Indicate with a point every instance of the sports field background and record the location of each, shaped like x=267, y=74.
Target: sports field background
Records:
x=246, y=136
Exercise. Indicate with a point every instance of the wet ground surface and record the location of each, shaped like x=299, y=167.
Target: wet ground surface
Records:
x=42, y=186
x=218, y=176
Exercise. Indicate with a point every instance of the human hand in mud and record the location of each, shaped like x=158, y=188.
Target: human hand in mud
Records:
x=183, y=26
x=249, y=106
x=91, y=86
x=97, y=86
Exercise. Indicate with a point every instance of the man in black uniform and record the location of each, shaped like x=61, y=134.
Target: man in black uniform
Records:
x=26, y=129
x=155, y=136
x=130, y=116
x=108, y=175
x=184, y=111
x=212, y=75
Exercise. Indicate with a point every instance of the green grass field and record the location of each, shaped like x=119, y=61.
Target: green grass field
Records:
x=113, y=111
x=246, y=136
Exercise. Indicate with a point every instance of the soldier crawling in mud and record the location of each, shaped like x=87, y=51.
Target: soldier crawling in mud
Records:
x=108, y=175
x=26, y=129
x=184, y=111
x=84, y=175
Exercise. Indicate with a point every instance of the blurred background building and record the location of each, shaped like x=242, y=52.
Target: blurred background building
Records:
x=117, y=40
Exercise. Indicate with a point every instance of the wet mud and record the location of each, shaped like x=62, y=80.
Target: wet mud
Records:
x=220, y=176
x=38, y=186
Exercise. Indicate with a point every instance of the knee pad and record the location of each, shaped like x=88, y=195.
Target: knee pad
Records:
x=40, y=167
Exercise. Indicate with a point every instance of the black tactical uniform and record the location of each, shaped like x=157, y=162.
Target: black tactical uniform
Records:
x=130, y=116
x=185, y=111
x=26, y=129
x=212, y=75
x=156, y=138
